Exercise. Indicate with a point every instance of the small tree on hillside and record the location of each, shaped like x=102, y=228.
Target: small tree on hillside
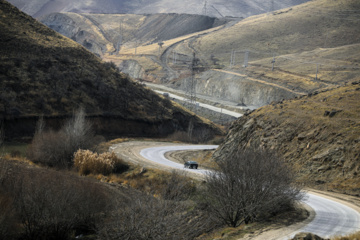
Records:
x=249, y=186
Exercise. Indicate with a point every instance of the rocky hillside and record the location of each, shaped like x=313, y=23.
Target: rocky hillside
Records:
x=108, y=33
x=215, y=8
x=319, y=135
x=294, y=51
x=45, y=73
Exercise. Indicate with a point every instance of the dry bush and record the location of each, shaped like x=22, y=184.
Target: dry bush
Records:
x=354, y=236
x=53, y=205
x=192, y=135
x=8, y=220
x=174, y=186
x=252, y=185
x=86, y=162
x=145, y=217
x=177, y=187
x=50, y=149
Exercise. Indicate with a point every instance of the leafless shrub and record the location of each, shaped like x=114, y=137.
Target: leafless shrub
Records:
x=178, y=187
x=2, y=136
x=250, y=186
x=193, y=136
x=146, y=217
x=51, y=205
x=180, y=136
x=8, y=220
x=86, y=162
x=202, y=135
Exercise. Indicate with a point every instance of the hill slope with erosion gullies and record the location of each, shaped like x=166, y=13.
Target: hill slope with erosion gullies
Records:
x=302, y=49
x=44, y=73
x=214, y=8
x=107, y=33
x=319, y=135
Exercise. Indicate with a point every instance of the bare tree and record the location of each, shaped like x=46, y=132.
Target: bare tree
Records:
x=249, y=186
x=56, y=149
x=78, y=130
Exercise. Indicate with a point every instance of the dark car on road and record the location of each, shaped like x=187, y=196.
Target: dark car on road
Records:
x=191, y=165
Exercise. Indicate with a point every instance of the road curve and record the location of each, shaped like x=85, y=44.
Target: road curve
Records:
x=331, y=217
x=157, y=154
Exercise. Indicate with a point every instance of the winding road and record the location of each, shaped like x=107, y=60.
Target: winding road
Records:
x=330, y=217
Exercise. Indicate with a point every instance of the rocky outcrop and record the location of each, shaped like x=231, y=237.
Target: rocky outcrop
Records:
x=237, y=89
x=133, y=69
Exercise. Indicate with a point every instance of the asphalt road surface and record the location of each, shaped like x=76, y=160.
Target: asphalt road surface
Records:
x=331, y=217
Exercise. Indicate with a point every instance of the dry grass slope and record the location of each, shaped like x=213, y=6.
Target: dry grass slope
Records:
x=318, y=135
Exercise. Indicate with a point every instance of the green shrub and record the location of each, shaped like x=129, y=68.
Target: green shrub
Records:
x=86, y=162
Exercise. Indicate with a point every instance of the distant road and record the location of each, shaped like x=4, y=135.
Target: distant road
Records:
x=216, y=109
x=260, y=81
x=332, y=218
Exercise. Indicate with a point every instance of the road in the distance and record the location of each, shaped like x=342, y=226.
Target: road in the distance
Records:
x=204, y=105
x=331, y=217
x=157, y=154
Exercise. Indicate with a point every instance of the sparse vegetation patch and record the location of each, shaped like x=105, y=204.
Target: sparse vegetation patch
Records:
x=87, y=162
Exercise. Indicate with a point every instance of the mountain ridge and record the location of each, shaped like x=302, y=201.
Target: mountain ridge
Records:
x=214, y=8
x=45, y=73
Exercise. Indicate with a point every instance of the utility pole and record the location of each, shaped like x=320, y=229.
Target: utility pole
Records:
x=273, y=62
x=174, y=56
x=204, y=11
x=246, y=59
x=160, y=46
x=119, y=43
x=232, y=58
x=317, y=71
x=271, y=7
x=190, y=91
